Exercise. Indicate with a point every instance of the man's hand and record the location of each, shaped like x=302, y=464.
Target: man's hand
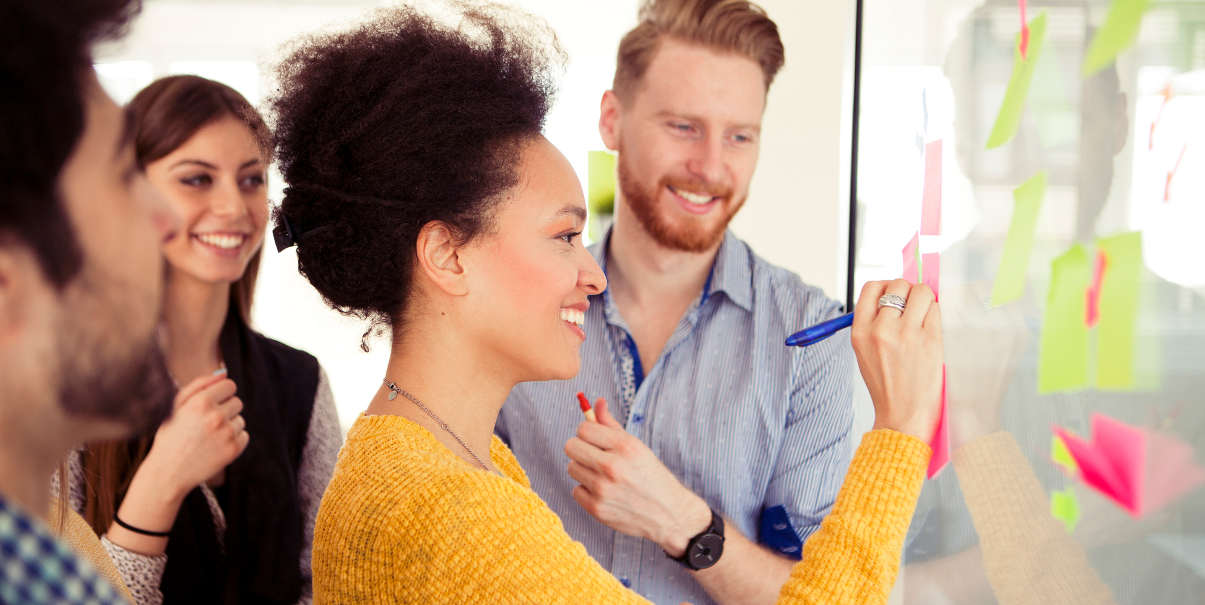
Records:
x=627, y=488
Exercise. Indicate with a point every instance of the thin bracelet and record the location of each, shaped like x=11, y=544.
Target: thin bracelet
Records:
x=137, y=530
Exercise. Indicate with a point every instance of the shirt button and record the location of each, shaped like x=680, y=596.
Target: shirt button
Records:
x=626, y=582
x=638, y=418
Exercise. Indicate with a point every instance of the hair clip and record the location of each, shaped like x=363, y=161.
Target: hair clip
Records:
x=284, y=234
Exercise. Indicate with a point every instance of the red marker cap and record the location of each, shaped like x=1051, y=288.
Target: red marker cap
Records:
x=582, y=401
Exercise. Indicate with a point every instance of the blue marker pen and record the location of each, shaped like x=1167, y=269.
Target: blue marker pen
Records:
x=820, y=331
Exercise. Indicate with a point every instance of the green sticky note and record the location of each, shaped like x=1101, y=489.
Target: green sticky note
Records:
x=1010, y=278
x=1118, y=32
x=1063, y=358
x=601, y=187
x=1009, y=116
x=1064, y=507
x=1062, y=456
x=1118, y=311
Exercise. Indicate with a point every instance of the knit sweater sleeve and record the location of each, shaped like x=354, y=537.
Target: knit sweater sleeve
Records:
x=140, y=574
x=855, y=555
x=322, y=442
x=1027, y=556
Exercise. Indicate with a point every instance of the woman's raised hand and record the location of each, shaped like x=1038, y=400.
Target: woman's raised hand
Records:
x=900, y=356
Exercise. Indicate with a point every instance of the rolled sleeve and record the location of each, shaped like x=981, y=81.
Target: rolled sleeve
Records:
x=815, y=450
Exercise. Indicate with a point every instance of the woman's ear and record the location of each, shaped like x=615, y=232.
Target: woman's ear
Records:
x=438, y=258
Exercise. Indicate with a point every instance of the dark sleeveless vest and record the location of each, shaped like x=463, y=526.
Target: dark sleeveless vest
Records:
x=258, y=562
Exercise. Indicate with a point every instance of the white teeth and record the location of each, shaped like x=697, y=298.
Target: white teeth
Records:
x=574, y=316
x=225, y=242
x=694, y=198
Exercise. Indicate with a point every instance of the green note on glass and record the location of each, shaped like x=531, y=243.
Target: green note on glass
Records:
x=1062, y=456
x=1118, y=33
x=1064, y=507
x=1009, y=116
x=1118, y=311
x=1010, y=278
x=1063, y=359
x=601, y=186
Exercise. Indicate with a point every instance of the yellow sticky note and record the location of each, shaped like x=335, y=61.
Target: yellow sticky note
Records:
x=1064, y=507
x=1010, y=278
x=601, y=182
x=1118, y=33
x=1009, y=116
x=1063, y=358
x=1062, y=456
x=1118, y=312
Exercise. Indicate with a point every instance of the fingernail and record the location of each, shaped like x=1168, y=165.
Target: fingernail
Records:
x=219, y=372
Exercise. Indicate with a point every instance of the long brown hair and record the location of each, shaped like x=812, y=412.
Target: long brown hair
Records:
x=165, y=115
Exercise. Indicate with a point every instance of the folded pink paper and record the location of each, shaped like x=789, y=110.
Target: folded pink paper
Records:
x=1139, y=469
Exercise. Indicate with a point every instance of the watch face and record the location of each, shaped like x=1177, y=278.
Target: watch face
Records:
x=706, y=550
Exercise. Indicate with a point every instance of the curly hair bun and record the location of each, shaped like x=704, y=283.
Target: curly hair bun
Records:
x=404, y=120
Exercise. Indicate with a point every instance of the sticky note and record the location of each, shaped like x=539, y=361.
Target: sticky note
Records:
x=1118, y=308
x=930, y=220
x=1010, y=277
x=931, y=272
x=601, y=182
x=940, y=442
x=911, y=255
x=1009, y=116
x=1065, y=508
x=1063, y=357
x=1118, y=33
x=1140, y=470
x=1061, y=456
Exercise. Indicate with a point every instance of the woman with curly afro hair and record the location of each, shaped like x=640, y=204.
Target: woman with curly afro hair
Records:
x=422, y=197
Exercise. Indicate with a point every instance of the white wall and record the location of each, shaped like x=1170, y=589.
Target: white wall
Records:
x=796, y=215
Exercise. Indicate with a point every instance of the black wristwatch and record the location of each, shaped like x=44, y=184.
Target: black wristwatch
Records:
x=704, y=550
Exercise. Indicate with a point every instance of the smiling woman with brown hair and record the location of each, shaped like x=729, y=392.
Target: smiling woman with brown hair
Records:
x=219, y=506
x=423, y=196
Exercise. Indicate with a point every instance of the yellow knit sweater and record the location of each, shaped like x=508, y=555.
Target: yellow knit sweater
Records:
x=405, y=520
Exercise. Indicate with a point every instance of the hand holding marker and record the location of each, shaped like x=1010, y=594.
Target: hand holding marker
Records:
x=586, y=409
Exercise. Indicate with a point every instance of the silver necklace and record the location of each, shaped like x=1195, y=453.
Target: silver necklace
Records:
x=394, y=389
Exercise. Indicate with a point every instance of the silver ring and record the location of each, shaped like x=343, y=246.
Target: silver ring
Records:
x=894, y=301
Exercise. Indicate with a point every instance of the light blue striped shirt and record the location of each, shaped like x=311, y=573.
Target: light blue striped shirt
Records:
x=759, y=430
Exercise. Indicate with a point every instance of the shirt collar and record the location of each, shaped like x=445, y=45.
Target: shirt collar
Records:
x=731, y=273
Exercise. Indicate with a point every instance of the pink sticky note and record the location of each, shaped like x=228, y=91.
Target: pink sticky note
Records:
x=1024, y=30
x=911, y=259
x=1142, y=471
x=931, y=270
x=930, y=218
x=940, y=443
x=1092, y=308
